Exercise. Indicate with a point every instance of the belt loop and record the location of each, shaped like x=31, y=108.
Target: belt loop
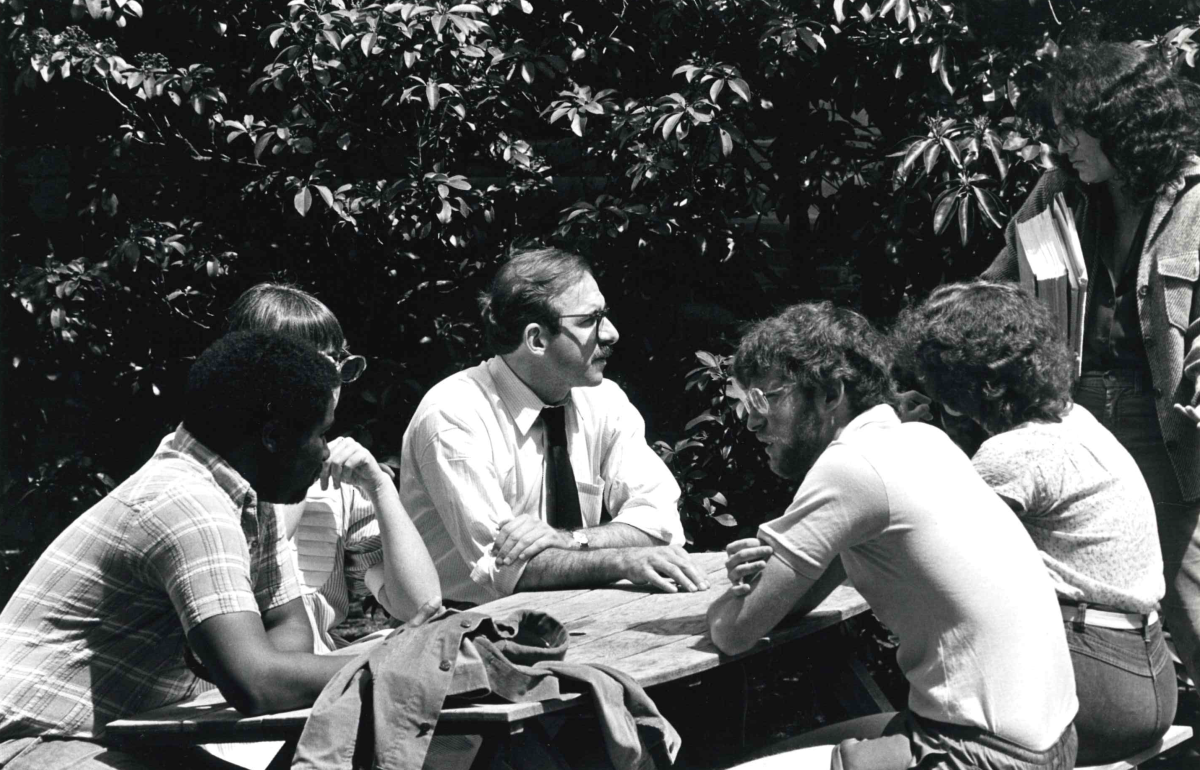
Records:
x=1080, y=619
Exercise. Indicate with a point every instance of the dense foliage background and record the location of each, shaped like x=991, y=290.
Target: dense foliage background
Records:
x=716, y=159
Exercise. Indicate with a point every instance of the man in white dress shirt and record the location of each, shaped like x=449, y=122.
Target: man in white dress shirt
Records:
x=509, y=467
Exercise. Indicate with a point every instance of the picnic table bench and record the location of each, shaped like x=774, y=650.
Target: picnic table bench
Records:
x=654, y=637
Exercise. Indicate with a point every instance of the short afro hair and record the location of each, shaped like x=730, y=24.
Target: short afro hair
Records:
x=246, y=379
x=818, y=346
x=522, y=293
x=988, y=350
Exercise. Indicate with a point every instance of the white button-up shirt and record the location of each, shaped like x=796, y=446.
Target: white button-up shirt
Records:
x=474, y=457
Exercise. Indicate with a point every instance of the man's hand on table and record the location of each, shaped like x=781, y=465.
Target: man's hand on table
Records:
x=666, y=567
x=747, y=559
x=523, y=537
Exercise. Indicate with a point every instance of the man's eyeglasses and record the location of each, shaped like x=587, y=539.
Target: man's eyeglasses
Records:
x=349, y=367
x=757, y=398
x=593, y=318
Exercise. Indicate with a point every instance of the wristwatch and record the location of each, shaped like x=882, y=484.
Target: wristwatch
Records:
x=581, y=539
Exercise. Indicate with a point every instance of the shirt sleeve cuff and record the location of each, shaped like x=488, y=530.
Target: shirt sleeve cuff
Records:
x=500, y=580
x=797, y=562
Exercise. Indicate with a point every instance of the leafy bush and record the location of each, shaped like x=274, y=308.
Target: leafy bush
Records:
x=716, y=159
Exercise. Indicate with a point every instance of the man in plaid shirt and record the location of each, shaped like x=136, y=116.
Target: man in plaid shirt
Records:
x=177, y=556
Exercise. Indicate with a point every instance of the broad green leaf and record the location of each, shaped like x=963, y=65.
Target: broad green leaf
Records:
x=303, y=201
x=964, y=220
x=989, y=205
x=952, y=148
x=326, y=194
x=910, y=158
x=726, y=142
x=715, y=91
x=992, y=141
x=932, y=151
x=670, y=123
x=260, y=146
x=740, y=88
x=943, y=210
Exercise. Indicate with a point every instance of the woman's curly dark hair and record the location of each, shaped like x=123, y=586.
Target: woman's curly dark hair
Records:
x=1134, y=102
x=817, y=346
x=988, y=350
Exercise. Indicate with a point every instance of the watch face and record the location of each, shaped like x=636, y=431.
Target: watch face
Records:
x=580, y=538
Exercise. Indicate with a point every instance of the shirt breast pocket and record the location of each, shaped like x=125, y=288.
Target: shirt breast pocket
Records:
x=591, y=502
x=1179, y=273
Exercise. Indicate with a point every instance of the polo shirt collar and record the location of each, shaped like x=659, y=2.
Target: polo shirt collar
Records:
x=883, y=414
x=522, y=403
x=226, y=477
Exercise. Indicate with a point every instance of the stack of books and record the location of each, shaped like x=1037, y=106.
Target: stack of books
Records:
x=1052, y=269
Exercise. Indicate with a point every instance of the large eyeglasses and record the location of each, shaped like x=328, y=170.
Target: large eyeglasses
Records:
x=758, y=398
x=593, y=319
x=1064, y=134
x=349, y=367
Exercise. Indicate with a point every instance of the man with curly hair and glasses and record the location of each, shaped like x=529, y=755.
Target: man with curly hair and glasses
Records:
x=531, y=470
x=990, y=353
x=886, y=503
x=1127, y=131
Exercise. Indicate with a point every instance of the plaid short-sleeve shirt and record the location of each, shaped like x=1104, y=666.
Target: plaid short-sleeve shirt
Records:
x=96, y=631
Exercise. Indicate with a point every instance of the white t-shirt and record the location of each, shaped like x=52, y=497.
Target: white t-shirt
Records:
x=947, y=567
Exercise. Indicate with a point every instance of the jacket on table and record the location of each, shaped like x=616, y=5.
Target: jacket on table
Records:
x=380, y=711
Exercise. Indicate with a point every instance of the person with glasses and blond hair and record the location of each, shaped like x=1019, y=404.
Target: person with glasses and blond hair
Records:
x=531, y=470
x=351, y=534
x=886, y=503
x=1126, y=127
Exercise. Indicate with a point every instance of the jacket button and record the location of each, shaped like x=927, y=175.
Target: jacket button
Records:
x=1143, y=291
x=445, y=665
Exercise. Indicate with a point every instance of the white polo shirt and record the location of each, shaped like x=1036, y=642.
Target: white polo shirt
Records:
x=947, y=567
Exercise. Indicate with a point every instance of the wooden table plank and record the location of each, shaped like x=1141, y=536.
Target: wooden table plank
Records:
x=652, y=636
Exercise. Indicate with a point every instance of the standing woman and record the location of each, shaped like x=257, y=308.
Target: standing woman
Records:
x=351, y=533
x=1128, y=141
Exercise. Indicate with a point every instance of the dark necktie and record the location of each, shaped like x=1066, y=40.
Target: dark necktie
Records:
x=563, y=510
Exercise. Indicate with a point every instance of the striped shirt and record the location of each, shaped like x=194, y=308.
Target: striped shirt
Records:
x=335, y=542
x=96, y=630
x=474, y=457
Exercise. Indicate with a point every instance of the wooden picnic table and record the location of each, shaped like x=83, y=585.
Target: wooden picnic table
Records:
x=654, y=637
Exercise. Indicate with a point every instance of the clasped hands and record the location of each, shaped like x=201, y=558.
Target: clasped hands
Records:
x=665, y=567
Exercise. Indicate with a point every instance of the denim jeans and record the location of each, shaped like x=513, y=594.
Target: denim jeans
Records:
x=1126, y=687
x=1123, y=401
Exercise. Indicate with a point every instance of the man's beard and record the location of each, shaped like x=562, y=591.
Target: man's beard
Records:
x=797, y=456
